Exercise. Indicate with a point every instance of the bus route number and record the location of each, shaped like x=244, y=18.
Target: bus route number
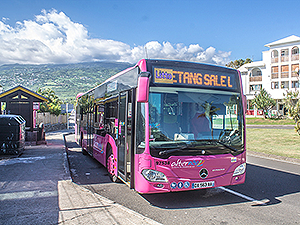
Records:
x=162, y=163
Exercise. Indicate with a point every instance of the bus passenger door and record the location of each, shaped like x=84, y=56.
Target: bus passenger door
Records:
x=90, y=127
x=124, y=136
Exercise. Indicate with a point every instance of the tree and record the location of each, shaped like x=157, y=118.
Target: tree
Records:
x=210, y=111
x=263, y=101
x=292, y=104
x=53, y=104
x=84, y=103
x=238, y=63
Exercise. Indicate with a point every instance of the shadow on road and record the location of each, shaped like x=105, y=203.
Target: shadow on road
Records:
x=270, y=184
x=84, y=169
x=261, y=184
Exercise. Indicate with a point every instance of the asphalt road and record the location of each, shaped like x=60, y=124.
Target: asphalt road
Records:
x=270, y=195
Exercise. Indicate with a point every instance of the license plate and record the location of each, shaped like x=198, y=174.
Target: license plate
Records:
x=207, y=184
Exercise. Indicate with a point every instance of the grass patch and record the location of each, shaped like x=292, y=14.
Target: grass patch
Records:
x=282, y=142
x=263, y=121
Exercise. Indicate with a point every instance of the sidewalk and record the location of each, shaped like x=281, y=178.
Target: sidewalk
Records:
x=36, y=188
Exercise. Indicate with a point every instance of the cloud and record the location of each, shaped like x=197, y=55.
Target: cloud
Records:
x=54, y=38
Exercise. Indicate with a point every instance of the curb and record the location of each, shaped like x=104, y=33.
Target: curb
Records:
x=66, y=158
x=274, y=157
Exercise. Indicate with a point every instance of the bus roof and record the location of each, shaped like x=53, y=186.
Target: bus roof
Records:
x=128, y=78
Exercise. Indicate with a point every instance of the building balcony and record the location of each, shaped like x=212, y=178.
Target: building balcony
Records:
x=294, y=74
x=284, y=58
x=295, y=57
x=284, y=75
x=274, y=60
x=256, y=78
x=274, y=76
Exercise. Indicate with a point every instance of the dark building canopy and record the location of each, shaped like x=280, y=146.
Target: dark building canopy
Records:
x=19, y=100
x=19, y=89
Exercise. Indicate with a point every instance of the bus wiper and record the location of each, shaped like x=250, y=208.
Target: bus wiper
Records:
x=221, y=143
x=227, y=146
x=164, y=152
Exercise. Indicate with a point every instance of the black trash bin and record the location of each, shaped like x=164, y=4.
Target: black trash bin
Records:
x=12, y=134
x=41, y=132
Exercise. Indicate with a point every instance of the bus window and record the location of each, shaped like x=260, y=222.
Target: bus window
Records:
x=140, y=129
x=111, y=117
x=101, y=116
x=99, y=120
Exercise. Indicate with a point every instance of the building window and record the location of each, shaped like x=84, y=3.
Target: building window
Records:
x=274, y=56
x=256, y=72
x=295, y=67
x=274, y=74
x=295, y=53
x=284, y=55
x=255, y=75
x=285, y=71
x=295, y=84
x=256, y=87
x=274, y=85
x=244, y=73
x=284, y=84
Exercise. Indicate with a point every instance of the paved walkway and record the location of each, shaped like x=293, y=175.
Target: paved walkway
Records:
x=36, y=188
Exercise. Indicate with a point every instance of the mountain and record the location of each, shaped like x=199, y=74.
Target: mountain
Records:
x=67, y=80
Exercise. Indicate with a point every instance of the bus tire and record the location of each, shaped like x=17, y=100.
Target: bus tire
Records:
x=81, y=138
x=110, y=164
x=84, y=152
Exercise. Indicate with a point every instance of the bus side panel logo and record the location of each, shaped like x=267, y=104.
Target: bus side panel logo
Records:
x=163, y=76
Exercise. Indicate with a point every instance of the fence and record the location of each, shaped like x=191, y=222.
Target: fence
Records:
x=48, y=118
x=51, y=122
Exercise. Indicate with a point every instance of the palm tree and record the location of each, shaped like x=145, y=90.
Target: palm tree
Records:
x=210, y=110
x=232, y=101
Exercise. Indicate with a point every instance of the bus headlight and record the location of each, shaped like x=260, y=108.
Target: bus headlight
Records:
x=154, y=176
x=240, y=169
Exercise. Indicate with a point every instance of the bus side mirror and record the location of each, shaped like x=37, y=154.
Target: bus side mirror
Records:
x=143, y=87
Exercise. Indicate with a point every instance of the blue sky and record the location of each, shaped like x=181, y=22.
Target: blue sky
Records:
x=60, y=31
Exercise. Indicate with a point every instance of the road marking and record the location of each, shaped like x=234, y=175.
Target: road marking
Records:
x=245, y=196
x=21, y=160
x=27, y=194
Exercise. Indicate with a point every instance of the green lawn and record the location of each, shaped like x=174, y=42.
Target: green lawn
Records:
x=262, y=121
x=282, y=142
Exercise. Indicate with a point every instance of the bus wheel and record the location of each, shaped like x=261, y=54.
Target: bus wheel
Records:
x=84, y=152
x=110, y=164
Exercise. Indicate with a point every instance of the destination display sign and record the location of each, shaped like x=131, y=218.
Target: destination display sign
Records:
x=192, y=78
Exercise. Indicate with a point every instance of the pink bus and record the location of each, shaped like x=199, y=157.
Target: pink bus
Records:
x=164, y=126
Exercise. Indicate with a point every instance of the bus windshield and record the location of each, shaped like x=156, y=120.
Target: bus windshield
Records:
x=187, y=121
